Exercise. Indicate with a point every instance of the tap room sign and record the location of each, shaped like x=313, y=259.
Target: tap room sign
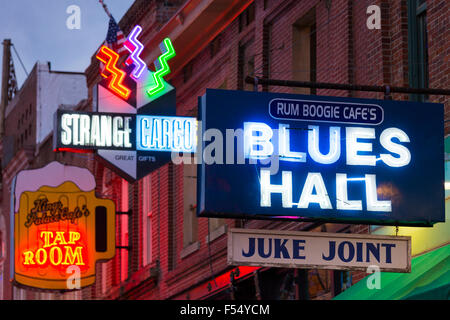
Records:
x=313, y=158
x=61, y=229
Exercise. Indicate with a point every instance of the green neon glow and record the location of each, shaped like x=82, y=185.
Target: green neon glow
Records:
x=162, y=67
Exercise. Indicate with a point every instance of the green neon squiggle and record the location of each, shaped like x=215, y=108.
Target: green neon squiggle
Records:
x=162, y=67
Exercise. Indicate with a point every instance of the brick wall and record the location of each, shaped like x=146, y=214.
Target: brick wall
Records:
x=347, y=52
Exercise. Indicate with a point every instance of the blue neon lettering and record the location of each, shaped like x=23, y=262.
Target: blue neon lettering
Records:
x=155, y=133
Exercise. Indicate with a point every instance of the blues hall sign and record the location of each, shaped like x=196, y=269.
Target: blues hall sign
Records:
x=324, y=158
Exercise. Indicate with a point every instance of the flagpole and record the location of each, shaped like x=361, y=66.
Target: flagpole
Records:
x=105, y=8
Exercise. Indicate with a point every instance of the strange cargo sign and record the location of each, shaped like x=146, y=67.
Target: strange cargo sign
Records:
x=133, y=128
x=133, y=141
x=323, y=158
x=61, y=229
x=337, y=251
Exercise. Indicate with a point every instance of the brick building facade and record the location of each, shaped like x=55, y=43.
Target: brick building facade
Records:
x=27, y=144
x=166, y=251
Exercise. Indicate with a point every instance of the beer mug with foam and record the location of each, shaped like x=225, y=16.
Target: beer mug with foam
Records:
x=60, y=234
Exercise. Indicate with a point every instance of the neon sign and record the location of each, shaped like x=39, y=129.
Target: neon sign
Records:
x=44, y=212
x=156, y=85
x=324, y=158
x=87, y=130
x=126, y=144
x=60, y=251
x=60, y=224
x=135, y=47
x=162, y=67
x=174, y=134
x=80, y=130
x=314, y=190
x=110, y=58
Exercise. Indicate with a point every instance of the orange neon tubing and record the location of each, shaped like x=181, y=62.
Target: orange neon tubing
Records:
x=110, y=58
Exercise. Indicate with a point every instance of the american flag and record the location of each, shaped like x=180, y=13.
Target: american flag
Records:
x=115, y=38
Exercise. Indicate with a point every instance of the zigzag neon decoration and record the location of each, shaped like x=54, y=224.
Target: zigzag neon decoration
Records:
x=162, y=68
x=110, y=58
x=135, y=47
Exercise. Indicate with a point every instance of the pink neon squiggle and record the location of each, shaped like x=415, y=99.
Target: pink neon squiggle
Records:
x=135, y=47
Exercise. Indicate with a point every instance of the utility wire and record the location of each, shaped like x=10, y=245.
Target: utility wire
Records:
x=20, y=60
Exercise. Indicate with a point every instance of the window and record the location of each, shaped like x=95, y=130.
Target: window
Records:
x=104, y=275
x=215, y=46
x=246, y=66
x=1, y=245
x=105, y=266
x=172, y=222
x=319, y=283
x=214, y=226
x=247, y=17
x=266, y=54
x=18, y=293
x=190, y=223
x=2, y=252
x=123, y=219
x=187, y=72
x=417, y=47
x=147, y=220
x=224, y=85
x=1, y=280
x=304, y=51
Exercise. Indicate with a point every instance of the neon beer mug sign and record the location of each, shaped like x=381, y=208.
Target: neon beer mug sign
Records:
x=59, y=224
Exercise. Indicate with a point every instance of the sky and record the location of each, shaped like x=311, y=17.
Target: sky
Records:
x=38, y=31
